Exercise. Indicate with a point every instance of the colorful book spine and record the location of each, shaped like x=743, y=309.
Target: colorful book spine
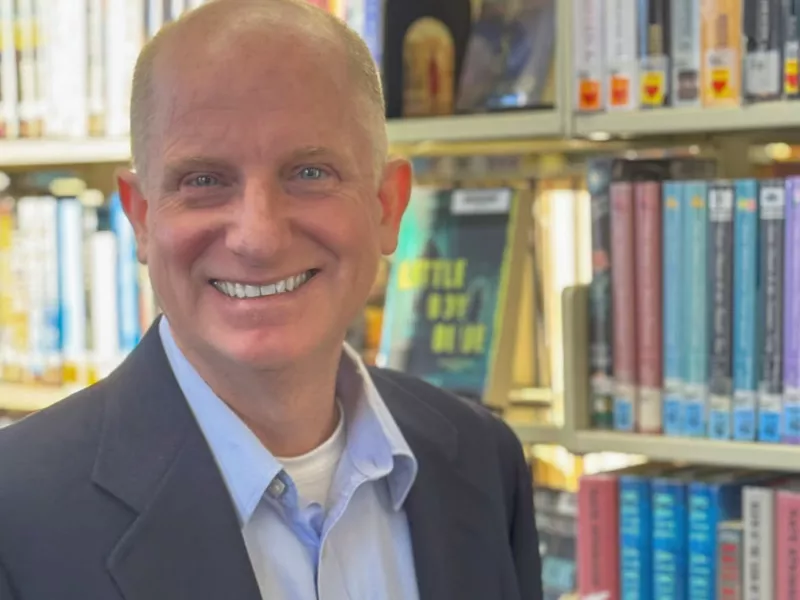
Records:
x=674, y=326
x=127, y=277
x=745, y=311
x=622, y=58
x=654, y=47
x=71, y=290
x=791, y=48
x=623, y=290
x=758, y=515
x=790, y=422
x=787, y=563
x=721, y=40
x=601, y=331
x=635, y=531
x=762, y=61
x=772, y=219
x=696, y=306
x=648, y=299
x=721, y=196
x=589, y=19
x=48, y=244
x=598, y=537
x=686, y=53
x=373, y=28
x=670, y=538
x=730, y=559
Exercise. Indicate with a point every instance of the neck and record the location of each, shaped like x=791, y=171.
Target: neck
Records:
x=291, y=411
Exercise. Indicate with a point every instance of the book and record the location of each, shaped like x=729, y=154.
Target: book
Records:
x=654, y=47
x=790, y=421
x=674, y=325
x=621, y=81
x=589, y=56
x=762, y=76
x=730, y=558
x=721, y=40
x=685, y=53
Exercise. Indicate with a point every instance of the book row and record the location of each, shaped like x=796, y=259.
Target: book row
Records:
x=73, y=298
x=67, y=64
x=695, y=300
x=714, y=53
x=688, y=533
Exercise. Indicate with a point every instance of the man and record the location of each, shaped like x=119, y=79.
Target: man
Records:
x=241, y=451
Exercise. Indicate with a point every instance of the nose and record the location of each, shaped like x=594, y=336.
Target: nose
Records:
x=260, y=227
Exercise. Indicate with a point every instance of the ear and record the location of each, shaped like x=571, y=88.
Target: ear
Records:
x=394, y=194
x=135, y=206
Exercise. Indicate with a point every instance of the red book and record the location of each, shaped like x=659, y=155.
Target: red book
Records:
x=787, y=534
x=648, y=293
x=598, y=537
x=623, y=300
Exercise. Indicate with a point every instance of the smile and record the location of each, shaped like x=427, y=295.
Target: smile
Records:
x=243, y=291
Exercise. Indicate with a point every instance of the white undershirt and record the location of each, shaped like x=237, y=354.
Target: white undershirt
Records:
x=313, y=473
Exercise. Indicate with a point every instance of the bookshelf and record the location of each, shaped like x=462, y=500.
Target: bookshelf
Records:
x=17, y=397
x=489, y=127
x=576, y=436
x=36, y=152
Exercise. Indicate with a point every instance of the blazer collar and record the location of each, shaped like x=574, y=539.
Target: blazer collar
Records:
x=185, y=541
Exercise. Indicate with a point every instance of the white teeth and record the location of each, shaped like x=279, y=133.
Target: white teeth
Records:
x=242, y=291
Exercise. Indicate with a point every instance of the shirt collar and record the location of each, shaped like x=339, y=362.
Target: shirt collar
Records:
x=375, y=443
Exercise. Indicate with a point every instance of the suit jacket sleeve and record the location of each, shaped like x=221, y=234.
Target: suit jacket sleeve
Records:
x=523, y=535
x=5, y=586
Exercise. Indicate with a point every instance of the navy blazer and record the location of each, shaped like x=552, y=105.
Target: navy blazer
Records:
x=114, y=494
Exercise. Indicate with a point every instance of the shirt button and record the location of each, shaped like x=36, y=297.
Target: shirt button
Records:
x=276, y=488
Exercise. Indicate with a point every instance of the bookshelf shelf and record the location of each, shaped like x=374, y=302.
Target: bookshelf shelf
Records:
x=22, y=153
x=671, y=121
x=540, y=434
x=465, y=128
x=30, y=398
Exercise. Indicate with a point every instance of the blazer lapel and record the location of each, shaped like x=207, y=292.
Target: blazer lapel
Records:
x=447, y=508
x=185, y=541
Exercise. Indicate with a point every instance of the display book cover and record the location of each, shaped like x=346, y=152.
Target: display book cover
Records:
x=446, y=287
x=510, y=57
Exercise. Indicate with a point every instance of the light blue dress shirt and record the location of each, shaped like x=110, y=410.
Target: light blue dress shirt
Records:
x=361, y=548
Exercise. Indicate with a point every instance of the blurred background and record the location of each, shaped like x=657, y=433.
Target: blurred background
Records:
x=601, y=248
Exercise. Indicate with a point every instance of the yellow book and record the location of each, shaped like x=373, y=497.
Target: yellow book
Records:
x=721, y=42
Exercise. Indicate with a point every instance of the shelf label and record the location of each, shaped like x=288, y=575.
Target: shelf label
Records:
x=769, y=417
x=673, y=419
x=720, y=65
x=791, y=86
x=653, y=88
x=588, y=95
x=791, y=416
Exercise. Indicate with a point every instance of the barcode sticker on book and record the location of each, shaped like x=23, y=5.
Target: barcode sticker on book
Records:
x=673, y=422
x=481, y=202
x=762, y=73
x=623, y=414
x=791, y=415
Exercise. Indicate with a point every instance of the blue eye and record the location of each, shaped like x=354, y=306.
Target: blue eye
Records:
x=203, y=181
x=312, y=173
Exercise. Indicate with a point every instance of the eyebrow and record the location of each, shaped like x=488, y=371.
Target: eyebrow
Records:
x=180, y=166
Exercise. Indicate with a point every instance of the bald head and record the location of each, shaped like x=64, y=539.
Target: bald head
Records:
x=217, y=28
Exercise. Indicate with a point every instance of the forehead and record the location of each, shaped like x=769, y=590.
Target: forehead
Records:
x=292, y=86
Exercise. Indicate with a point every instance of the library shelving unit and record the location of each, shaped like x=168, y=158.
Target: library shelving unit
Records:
x=577, y=437
x=17, y=397
x=35, y=152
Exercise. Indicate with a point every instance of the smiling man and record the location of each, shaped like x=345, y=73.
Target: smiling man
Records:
x=243, y=450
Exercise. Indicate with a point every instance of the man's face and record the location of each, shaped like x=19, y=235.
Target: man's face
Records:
x=261, y=182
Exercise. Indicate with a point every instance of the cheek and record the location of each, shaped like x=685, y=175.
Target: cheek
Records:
x=178, y=240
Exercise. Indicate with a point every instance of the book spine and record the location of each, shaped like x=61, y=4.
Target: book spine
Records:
x=373, y=28
x=127, y=280
x=7, y=285
x=772, y=218
x=635, y=530
x=51, y=347
x=720, y=271
x=621, y=62
x=9, y=120
x=745, y=311
x=686, y=53
x=654, y=47
x=791, y=48
x=601, y=356
x=623, y=286
x=589, y=18
x=791, y=352
x=758, y=506
x=722, y=52
x=730, y=556
x=648, y=298
x=598, y=535
x=674, y=327
x=703, y=521
x=96, y=68
x=105, y=338
x=71, y=291
x=787, y=549
x=696, y=306
x=670, y=536
x=762, y=61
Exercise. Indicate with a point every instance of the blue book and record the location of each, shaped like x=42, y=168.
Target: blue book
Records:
x=669, y=496
x=127, y=277
x=696, y=340
x=674, y=321
x=745, y=310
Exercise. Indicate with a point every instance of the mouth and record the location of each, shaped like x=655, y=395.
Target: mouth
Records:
x=245, y=291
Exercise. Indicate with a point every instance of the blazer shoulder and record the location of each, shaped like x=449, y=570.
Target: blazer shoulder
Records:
x=51, y=445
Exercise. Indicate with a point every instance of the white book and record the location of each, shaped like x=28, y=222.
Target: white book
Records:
x=685, y=52
x=9, y=116
x=758, y=515
x=103, y=293
x=589, y=70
